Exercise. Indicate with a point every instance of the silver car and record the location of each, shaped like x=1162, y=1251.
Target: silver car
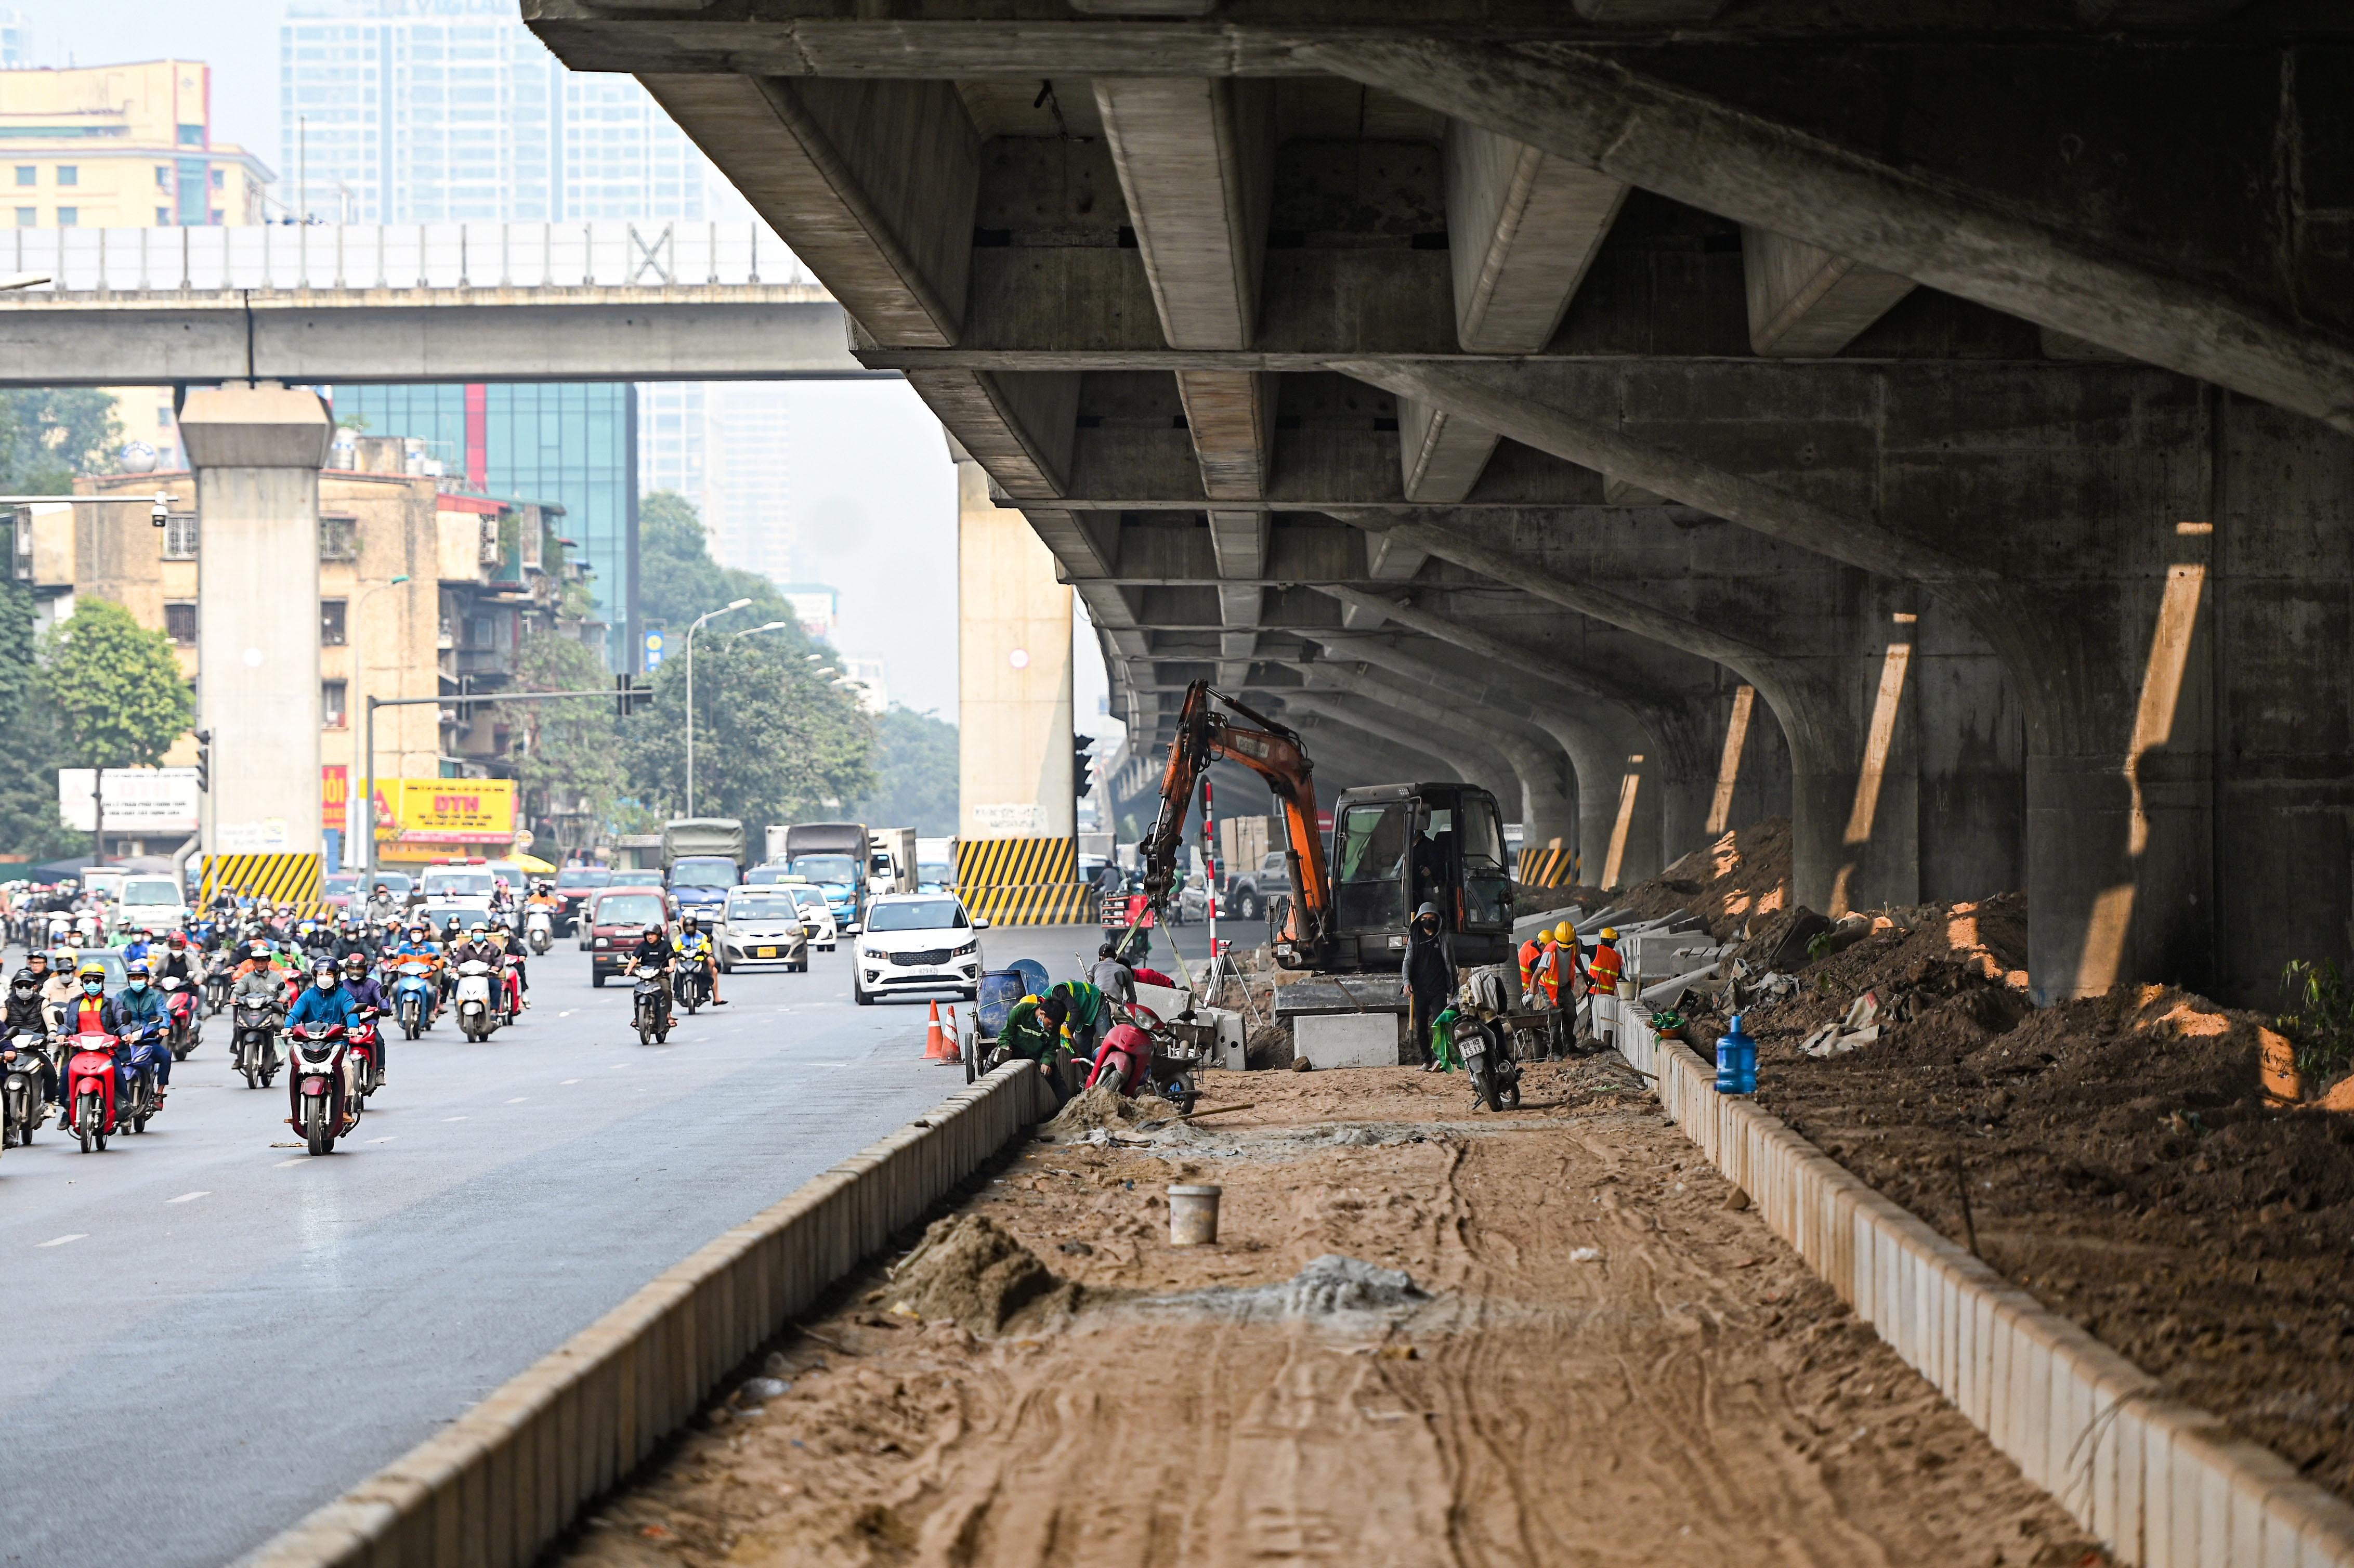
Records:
x=761, y=926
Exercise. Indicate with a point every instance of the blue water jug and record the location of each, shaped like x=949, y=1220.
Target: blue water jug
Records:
x=1736, y=1060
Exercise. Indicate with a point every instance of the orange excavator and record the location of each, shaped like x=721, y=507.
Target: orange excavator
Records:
x=1205, y=736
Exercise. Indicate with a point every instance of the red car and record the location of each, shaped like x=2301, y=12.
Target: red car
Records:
x=617, y=918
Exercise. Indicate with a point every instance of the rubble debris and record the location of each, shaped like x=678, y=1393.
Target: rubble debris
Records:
x=1330, y=1286
x=1743, y=876
x=968, y=1268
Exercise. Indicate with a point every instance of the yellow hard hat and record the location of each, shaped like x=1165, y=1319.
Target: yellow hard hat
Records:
x=1562, y=933
x=90, y=968
x=1610, y=933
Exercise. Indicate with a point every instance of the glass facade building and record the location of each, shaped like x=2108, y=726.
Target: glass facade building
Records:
x=571, y=444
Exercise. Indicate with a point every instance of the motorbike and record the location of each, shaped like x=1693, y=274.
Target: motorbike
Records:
x=691, y=988
x=187, y=1028
x=318, y=1052
x=90, y=1086
x=1145, y=1054
x=539, y=929
x=649, y=1009
x=219, y=978
x=1482, y=1004
x=413, y=997
x=24, y=1062
x=479, y=1005
x=148, y=1046
x=256, y=1049
x=361, y=1039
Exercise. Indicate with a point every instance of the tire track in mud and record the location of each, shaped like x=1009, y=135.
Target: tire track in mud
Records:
x=1691, y=1395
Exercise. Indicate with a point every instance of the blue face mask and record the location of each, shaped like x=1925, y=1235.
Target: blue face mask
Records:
x=91, y=987
x=134, y=984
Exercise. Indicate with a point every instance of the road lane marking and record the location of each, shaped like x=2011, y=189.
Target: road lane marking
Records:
x=453, y=1119
x=619, y=1065
x=566, y=1013
x=298, y=1159
x=567, y=1081
x=386, y=1138
x=60, y=1241
x=187, y=1197
x=518, y=1099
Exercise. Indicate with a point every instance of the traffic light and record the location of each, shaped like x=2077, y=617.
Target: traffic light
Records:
x=203, y=760
x=1082, y=766
x=629, y=696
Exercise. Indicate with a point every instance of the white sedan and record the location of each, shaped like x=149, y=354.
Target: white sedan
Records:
x=816, y=913
x=761, y=926
x=917, y=941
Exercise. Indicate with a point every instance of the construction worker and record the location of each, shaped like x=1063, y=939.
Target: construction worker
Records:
x=1532, y=952
x=1556, y=971
x=1427, y=976
x=1603, y=969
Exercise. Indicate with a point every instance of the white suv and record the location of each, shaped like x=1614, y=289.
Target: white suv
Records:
x=917, y=941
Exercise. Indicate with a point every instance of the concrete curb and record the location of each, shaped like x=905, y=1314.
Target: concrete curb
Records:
x=501, y=1481
x=2159, y=1482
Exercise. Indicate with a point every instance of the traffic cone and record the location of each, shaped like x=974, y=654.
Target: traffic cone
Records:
x=936, y=1045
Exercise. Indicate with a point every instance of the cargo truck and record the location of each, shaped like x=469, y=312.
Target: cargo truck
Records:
x=833, y=857
x=702, y=857
x=890, y=861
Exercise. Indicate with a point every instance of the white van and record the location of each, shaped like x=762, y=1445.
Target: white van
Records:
x=151, y=901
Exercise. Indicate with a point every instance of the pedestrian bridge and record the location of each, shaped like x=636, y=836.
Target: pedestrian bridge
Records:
x=446, y=301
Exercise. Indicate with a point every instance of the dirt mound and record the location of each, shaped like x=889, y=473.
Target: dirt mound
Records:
x=1950, y=976
x=1103, y=1106
x=970, y=1269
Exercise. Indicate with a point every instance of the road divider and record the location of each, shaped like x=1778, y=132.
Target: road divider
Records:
x=2162, y=1484
x=501, y=1481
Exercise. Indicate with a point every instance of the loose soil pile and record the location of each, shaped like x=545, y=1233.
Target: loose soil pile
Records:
x=2122, y=1162
x=1742, y=879
x=1425, y=1335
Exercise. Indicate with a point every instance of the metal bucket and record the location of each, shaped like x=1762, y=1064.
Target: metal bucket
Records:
x=1193, y=1215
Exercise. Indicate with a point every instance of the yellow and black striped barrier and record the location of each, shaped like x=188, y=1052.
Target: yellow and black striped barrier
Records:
x=1553, y=867
x=1037, y=904
x=1015, y=863
x=286, y=879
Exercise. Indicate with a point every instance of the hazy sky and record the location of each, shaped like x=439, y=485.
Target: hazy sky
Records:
x=872, y=493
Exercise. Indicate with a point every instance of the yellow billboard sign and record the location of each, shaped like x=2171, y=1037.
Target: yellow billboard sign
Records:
x=445, y=811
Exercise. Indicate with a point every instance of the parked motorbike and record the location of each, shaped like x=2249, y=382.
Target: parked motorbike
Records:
x=1495, y=1076
x=149, y=1045
x=539, y=928
x=479, y=1012
x=256, y=1020
x=24, y=1063
x=318, y=1052
x=219, y=978
x=89, y=1089
x=413, y=996
x=188, y=1027
x=649, y=1009
x=361, y=1039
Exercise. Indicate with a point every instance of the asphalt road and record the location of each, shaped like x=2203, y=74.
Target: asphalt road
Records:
x=218, y=1332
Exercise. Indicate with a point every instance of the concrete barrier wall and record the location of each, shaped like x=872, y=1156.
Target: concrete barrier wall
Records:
x=2160, y=1483
x=501, y=1482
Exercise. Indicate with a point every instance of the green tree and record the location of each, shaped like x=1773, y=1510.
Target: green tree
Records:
x=565, y=752
x=29, y=822
x=114, y=688
x=49, y=434
x=915, y=775
x=678, y=578
x=773, y=740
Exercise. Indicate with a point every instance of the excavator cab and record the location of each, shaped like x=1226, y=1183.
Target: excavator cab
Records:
x=1397, y=846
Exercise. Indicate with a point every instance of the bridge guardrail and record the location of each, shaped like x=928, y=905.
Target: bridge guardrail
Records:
x=400, y=256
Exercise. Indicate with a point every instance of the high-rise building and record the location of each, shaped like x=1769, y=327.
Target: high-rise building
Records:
x=745, y=468
x=448, y=110
x=121, y=147
x=16, y=39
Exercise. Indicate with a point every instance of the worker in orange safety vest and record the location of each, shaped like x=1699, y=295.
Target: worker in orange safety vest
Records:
x=1532, y=953
x=1603, y=969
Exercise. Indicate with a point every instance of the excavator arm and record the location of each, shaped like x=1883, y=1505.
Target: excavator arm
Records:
x=1274, y=753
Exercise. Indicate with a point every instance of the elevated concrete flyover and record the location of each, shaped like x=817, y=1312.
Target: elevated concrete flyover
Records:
x=1971, y=388
x=343, y=303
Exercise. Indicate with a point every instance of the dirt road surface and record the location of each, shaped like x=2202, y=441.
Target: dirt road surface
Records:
x=1427, y=1335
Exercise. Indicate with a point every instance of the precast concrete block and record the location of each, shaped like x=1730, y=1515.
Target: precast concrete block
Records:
x=1329, y=1040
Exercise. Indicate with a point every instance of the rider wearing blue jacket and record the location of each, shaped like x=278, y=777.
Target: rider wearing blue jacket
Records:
x=323, y=1001
x=140, y=1002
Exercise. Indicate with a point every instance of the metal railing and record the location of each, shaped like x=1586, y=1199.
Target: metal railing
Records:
x=403, y=256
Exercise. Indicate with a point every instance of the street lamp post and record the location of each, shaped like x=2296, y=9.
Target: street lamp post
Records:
x=367, y=814
x=690, y=631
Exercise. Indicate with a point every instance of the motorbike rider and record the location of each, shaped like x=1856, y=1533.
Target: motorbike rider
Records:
x=323, y=1001
x=694, y=948
x=141, y=1001
x=60, y=988
x=512, y=954
x=383, y=908
x=28, y=1016
x=367, y=995
x=90, y=1012
x=655, y=955
x=173, y=961
x=142, y=943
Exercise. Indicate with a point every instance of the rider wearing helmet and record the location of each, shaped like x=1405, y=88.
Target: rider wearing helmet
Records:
x=28, y=1016
x=89, y=1012
x=368, y=999
x=174, y=961
x=511, y=958
x=323, y=1001
x=694, y=948
x=141, y=1001
x=655, y=956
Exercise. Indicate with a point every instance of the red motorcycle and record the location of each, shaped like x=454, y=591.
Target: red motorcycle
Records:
x=90, y=1088
x=1124, y=1060
x=317, y=1085
x=180, y=1005
x=367, y=1069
